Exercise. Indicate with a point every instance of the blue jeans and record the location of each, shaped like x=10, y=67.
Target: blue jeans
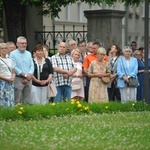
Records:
x=64, y=92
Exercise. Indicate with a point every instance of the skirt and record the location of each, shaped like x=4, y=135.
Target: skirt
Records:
x=6, y=93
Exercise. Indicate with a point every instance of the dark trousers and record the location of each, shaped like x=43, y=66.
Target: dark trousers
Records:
x=114, y=93
x=86, y=88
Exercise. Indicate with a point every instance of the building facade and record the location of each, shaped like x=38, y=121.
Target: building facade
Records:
x=73, y=16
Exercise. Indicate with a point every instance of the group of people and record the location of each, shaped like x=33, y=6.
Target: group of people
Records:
x=77, y=70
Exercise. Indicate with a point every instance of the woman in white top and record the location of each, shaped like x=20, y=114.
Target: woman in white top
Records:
x=7, y=76
x=77, y=94
x=41, y=77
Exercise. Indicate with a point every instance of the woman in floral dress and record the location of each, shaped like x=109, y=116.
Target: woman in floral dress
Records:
x=7, y=76
x=98, y=68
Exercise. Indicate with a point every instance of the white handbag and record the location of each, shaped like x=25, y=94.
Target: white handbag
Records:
x=76, y=85
x=51, y=90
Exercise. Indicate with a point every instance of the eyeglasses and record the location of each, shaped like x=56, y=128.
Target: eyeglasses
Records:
x=128, y=51
x=22, y=43
x=4, y=48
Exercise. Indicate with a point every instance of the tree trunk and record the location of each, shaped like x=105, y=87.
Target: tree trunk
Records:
x=15, y=15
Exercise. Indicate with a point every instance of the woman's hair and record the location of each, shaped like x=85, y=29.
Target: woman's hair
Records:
x=136, y=52
x=126, y=48
x=3, y=44
x=75, y=50
x=101, y=50
x=118, y=53
x=71, y=42
x=38, y=47
x=108, y=51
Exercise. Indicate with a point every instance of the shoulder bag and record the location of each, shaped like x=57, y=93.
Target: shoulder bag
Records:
x=5, y=64
x=76, y=85
x=51, y=90
x=105, y=80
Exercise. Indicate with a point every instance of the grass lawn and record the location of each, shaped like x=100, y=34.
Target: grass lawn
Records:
x=115, y=131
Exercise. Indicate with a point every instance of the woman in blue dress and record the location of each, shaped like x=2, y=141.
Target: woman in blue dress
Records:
x=140, y=58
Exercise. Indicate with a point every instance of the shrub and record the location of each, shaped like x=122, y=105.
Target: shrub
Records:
x=73, y=107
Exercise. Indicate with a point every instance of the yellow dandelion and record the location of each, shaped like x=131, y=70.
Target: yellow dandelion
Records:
x=86, y=108
x=19, y=112
x=52, y=104
x=78, y=102
x=21, y=108
x=79, y=105
x=106, y=107
x=133, y=104
x=18, y=104
x=72, y=102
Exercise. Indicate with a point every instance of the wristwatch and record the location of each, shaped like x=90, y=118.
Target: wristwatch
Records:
x=129, y=77
x=25, y=75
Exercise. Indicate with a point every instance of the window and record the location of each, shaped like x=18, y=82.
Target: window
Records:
x=79, y=12
x=67, y=13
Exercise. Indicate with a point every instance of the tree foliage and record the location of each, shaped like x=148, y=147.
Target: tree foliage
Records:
x=53, y=7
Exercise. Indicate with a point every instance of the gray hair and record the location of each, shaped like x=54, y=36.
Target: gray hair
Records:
x=126, y=48
x=20, y=38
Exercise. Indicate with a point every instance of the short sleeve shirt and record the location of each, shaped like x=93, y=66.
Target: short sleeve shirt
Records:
x=65, y=63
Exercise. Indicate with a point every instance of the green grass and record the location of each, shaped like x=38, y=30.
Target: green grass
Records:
x=113, y=131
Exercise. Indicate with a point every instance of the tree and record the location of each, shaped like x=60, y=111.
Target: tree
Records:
x=15, y=11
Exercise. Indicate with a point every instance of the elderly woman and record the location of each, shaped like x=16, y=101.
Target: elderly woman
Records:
x=127, y=68
x=98, y=68
x=41, y=77
x=71, y=46
x=77, y=94
x=7, y=76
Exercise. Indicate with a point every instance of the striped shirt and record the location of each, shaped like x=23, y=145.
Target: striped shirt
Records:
x=65, y=63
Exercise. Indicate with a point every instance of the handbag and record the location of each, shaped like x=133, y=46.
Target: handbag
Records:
x=133, y=82
x=51, y=90
x=105, y=80
x=76, y=85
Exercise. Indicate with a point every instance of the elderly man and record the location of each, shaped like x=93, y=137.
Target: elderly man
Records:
x=64, y=68
x=11, y=46
x=24, y=68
